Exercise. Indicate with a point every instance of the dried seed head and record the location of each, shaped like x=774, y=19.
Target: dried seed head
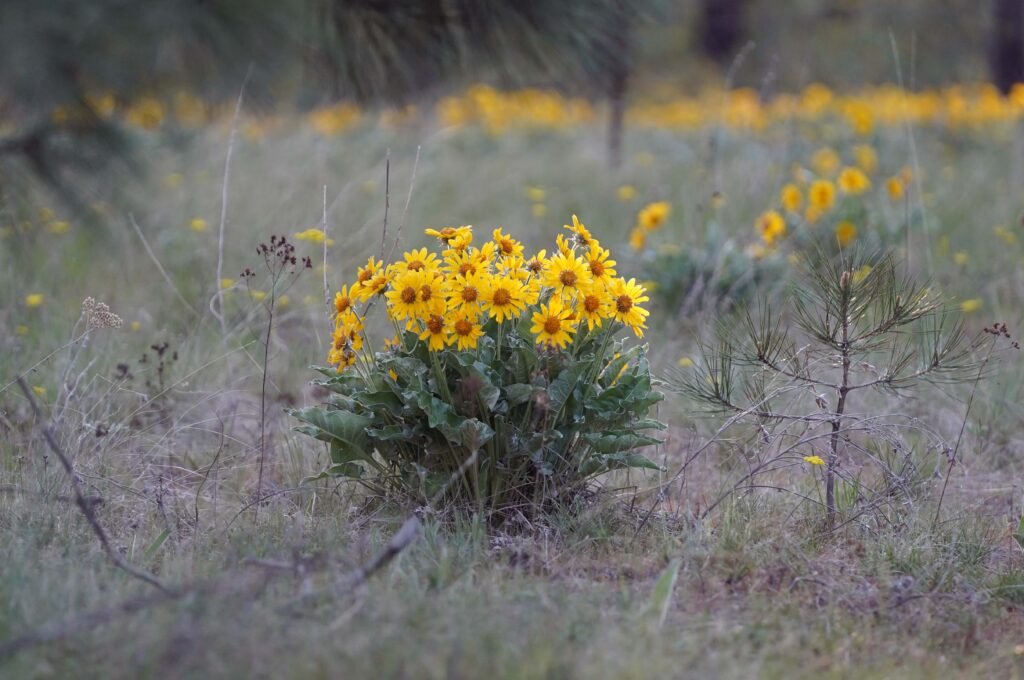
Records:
x=98, y=315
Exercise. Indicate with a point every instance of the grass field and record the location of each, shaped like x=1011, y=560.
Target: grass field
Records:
x=162, y=420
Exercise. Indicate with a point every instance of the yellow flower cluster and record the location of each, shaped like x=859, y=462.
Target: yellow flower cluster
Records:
x=812, y=193
x=957, y=107
x=450, y=300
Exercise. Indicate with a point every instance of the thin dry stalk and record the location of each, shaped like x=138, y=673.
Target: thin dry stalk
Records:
x=160, y=267
x=218, y=296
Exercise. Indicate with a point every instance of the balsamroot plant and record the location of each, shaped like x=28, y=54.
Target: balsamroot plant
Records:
x=503, y=388
x=854, y=326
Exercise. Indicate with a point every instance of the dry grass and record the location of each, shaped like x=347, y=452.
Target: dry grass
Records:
x=173, y=452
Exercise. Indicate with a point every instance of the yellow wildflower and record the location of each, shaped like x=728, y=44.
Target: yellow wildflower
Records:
x=197, y=224
x=772, y=226
x=814, y=460
x=626, y=298
x=821, y=195
x=34, y=300
x=853, y=181
x=791, y=198
x=846, y=232
x=552, y=324
x=626, y=192
x=653, y=215
x=466, y=331
x=313, y=235
x=972, y=305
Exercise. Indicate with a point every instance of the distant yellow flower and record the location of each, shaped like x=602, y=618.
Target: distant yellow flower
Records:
x=21, y=330
x=846, y=232
x=626, y=192
x=960, y=258
x=34, y=300
x=284, y=301
x=58, y=227
x=626, y=298
x=197, y=224
x=894, y=185
x=866, y=158
x=536, y=194
x=40, y=390
x=825, y=161
x=1007, y=236
x=46, y=214
x=821, y=195
x=814, y=460
x=227, y=283
x=653, y=215
x=552, y=324
x=718, y=199
x=637, y=238
x=772, y=226
x=173, y=180
x=147, y=113
x=136, y=326
x=972, y=305
x=791, y=198
x=539, y=210
x=313, y=235
x=257, y=295
x=853, y=181
x=684, y=362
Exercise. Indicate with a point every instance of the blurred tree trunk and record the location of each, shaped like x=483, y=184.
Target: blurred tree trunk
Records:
x=1007, y=56
x=723, y=26
x=618, y=79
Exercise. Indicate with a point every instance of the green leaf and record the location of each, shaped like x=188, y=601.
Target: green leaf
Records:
x=518, y=393
x=661, y=596
x=618, y=441
x=345, y=428
x=565, y=384
x=155, y=545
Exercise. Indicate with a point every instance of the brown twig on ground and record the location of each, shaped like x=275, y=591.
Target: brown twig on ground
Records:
x=86, y=505
x=304, y=566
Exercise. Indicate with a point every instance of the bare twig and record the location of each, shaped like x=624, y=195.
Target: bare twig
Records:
x=269, y=569
x=86, y=505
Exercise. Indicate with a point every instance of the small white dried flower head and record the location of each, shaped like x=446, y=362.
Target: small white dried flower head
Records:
x=98, y=315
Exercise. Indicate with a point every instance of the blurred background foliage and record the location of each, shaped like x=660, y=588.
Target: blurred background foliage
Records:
x=64, y=62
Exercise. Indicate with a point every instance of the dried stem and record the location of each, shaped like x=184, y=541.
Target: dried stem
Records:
x=86, y=505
